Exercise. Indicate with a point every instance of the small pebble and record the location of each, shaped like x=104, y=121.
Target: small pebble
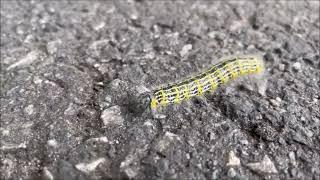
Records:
x=185, y=50
x=292, y=158
x=282, y=141
x=53, y=46
x=168, y=139
x=212, y=34
x=232, y=173
x=251, y=47
x=297, y=66
x=30, y=58
x=264, y=166
x=130, y=172
x=52, y=143
x=282, y=67
x=112, y=116
x=275, y=102
x=99, y=26
x=4, y=132
x=293, y=172
x=188, y=156
x=233, y=159
x=47, y=174
x=29, y=109
x=215, y=174
x=88, y=167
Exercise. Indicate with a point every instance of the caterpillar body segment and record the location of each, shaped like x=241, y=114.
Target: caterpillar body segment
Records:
x=209, y=80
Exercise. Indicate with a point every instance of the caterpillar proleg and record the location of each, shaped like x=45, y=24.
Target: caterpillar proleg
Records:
x=208, y=80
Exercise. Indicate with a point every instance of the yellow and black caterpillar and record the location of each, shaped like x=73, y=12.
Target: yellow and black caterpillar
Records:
x=209, y=80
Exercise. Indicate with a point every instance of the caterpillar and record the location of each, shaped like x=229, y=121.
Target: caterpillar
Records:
x=206, y=81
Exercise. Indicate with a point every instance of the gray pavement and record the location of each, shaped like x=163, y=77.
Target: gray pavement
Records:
x=73, y=76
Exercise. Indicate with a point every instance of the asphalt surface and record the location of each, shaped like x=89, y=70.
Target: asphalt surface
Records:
x=75, y=77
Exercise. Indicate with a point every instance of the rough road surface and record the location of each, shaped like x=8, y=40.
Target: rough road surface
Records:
x=73, y=74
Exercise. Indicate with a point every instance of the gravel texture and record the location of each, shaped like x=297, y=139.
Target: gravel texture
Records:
x=75, y=76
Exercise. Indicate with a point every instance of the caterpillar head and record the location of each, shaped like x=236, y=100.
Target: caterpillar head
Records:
x=154, y=103
x=145, y=100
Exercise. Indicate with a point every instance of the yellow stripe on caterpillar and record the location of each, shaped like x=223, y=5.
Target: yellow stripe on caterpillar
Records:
x=164, y=99
x=177, y=98
x=186, y=91
x=213, y=83
x=199, y=87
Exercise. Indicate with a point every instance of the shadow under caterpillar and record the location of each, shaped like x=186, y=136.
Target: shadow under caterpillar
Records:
x=207, y=81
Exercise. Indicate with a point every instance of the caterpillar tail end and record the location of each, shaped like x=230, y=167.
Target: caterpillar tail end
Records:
x=260, y=67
